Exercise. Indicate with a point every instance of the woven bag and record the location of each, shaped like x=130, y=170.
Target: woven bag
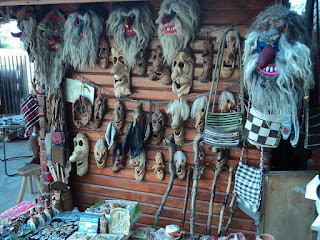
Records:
x=224, y=130
x=248, y=184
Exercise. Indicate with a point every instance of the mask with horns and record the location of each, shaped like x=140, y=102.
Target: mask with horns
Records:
x=178, y=22
x=132, y=26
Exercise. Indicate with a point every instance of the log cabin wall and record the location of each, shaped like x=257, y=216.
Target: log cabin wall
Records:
x=99, y=184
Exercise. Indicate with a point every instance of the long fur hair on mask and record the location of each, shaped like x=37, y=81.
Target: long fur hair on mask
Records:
x=141, y=23
x=81, y=37
x=275, y=85
x=178, y=22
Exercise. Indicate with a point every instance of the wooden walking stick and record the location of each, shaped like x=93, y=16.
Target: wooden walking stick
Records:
x=169, y=143
x=222, y=158
x=196, y=141
x=225, y=201
x=233, y=200
x=185, y=205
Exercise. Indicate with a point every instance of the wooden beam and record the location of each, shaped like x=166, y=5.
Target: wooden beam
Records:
x=42, y=2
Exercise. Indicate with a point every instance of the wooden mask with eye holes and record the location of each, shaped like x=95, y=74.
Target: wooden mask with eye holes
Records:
x=230, y=54
x=160, y=70
x=99, y=111
x=100, y=153
x=118, y=116
x=104, y=52
x=159, y=166
x=80, y=154
x=117, y=158
x=182, y=69
x=140, y=65
x=121, y=72
x=158, y=127
x=207, y=56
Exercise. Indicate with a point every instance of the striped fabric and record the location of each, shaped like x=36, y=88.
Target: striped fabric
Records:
x=30, y=110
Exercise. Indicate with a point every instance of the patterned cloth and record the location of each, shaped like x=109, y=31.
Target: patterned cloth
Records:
x=248, y=183
x=17, y=210
x=262, y=131
x=31, y=113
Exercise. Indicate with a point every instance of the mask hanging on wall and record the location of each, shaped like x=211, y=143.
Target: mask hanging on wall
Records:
x=159, y=167
x=83, y=30
x=182, y=69
x=226, y=102
x=158, y=127
x=277, y=64
x=132, y=26
x=104, y=50
x=80, y=153
x=179, y=111
x=99, y=111
x=198, y=112
x=81, y=111
x=100, y=153
x=118, y=159
x=50, y=69
x=140, y=66
x=28, y=27
x=180, y=162
x=207, y=56
x=121, y=72
x=178, y=22
x=160, y=70
x=118, y=116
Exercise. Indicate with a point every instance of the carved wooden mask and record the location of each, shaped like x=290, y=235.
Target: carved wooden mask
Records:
x=230, y=54
x=159, y=166
x=100, y=153
x=99, y=110
x=80, y=153
x=180, y=162
x=139, y=164
x=117, y=158
x=207, y=56
x=182, y=69
x=81, y=111
x=158, y=127
x=140, y=65
x=160, y=70
x=104, y=53
x=121, y=72
x=118, y=116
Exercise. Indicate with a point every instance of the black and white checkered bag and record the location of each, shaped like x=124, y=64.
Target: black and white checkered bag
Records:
x=262, y=130
x=248, y=183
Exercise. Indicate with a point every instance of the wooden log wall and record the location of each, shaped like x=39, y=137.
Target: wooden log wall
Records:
x=99, y=184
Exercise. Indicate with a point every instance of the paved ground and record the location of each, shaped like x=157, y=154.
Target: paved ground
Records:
x=10, y=186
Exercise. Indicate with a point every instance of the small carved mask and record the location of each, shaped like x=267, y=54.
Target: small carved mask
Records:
x=118, y=117
x=137, y=117
x=160, y=70
x=121, y=72
x=100, y=153
x=104, y=53
x=117, y=158
x=227, y=102
x=139, y=164
x=180, y=162
x=158, y=127
x=80, y=153
x=182, y=73
x=198, y=112
x=230, y=54
x=99, y=110
x=207, y=56
x=81, y=111
x=159, y=166
x=140, y=65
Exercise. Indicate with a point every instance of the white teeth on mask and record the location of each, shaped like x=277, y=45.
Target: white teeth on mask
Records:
x=275, y=69
x=267, y=69
x=271, y=69
x=264, y=69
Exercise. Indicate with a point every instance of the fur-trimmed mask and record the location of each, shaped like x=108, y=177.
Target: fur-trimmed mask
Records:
x=158, y=127
x=277, y=63
x=100, y=153
x=118, y=116
x=178, y=22
x=83, y=30
x=80, y=154
x=160, y=70
x=132, y=26
x=180, y=162
x=179, y=111
x=182, y=69
x=121, y=72
x=198, y=112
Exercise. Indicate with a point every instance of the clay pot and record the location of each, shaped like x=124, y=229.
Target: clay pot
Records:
x=265, y=237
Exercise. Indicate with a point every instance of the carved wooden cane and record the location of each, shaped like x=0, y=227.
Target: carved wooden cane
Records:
x=222, y=158
x=185, y=204
x=169, y=143
x=196, y=141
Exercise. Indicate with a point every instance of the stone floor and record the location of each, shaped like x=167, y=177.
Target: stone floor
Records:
x=10, y=186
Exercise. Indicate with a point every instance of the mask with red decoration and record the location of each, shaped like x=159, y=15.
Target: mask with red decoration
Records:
x=178, y=22
x=132, y=26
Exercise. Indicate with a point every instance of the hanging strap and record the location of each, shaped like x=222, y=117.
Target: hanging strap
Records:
x=216, y=75
x=246, y=158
